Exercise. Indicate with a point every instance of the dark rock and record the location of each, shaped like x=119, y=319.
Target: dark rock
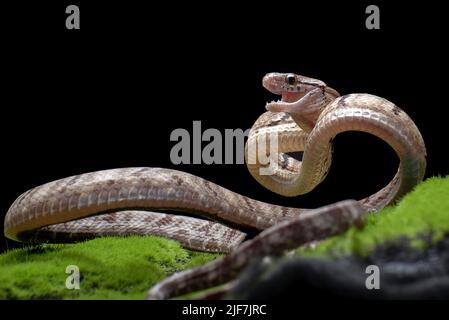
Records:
x=405, y=273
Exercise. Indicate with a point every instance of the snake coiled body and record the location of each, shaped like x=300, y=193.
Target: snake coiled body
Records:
x=309, y=116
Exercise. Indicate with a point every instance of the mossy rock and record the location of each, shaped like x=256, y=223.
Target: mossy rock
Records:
x=422, y=217
x=125, y=268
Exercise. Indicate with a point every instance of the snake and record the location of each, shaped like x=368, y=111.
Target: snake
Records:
x=204, y=216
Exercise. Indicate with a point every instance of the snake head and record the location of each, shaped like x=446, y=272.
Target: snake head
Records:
x=290, y=86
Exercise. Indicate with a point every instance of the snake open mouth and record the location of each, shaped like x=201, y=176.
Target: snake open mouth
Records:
x=285, y=103
x=291, y=96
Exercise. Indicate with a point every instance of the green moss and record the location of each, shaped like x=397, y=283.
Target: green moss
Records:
x=423, y=212
x=110, y=268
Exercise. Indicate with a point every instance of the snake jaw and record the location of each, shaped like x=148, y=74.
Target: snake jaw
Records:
x=286, y=104
x=279, y=106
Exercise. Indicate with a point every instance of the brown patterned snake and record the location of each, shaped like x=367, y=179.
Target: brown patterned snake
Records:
x=307, y=118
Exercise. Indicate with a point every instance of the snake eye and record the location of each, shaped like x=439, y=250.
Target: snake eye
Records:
x=291, y=79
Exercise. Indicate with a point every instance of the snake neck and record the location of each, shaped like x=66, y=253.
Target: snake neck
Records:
x=308, y=116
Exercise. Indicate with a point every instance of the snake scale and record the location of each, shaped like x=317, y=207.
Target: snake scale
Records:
x=308, y=116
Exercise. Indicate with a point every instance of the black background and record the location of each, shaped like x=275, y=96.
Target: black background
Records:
x=110, y=94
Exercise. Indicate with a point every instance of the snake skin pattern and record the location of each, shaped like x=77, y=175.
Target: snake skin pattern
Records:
x=307, y=118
